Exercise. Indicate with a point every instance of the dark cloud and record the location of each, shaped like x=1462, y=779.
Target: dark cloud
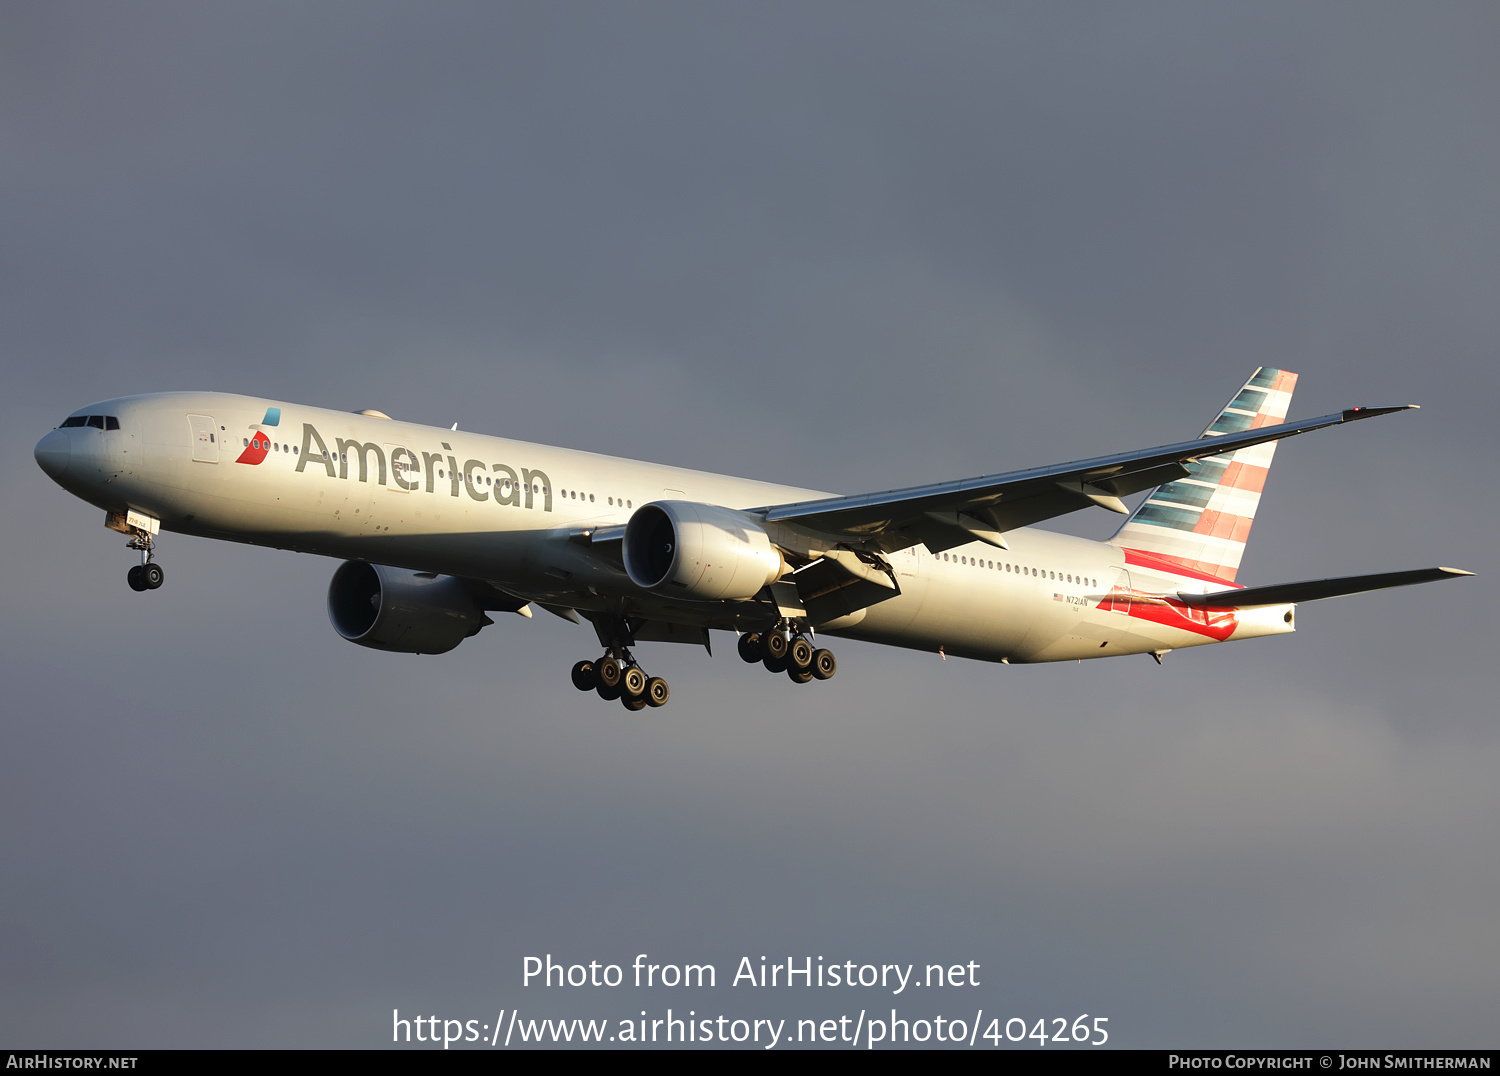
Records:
x=843, y=246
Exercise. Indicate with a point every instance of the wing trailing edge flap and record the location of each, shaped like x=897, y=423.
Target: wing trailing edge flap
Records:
x=842, y=582
x=1313, y=589
x=948, y=514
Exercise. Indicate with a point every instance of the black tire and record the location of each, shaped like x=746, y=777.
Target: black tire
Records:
x=657, y=692
x=632, y=682
x=774, y=645
x=153, y=575
x=584, y=678
x=824, y=664
x=800, y=654
x=136, y=577
x=750, y=651
x=798, y=676
x=633, y=702
x=774, y=665
x=608, y=694
x=609, y=673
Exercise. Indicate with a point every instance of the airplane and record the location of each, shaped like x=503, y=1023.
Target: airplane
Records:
x=438, y=528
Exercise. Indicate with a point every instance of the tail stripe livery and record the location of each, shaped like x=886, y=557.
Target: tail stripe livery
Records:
x=1197, y=526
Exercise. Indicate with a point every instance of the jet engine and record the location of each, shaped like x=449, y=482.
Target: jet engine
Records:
x=401, y=611
x=699, y=551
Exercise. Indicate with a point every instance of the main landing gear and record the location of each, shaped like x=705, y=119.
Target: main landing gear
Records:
x=617, y=676
x=780, y=651
x=147, y=575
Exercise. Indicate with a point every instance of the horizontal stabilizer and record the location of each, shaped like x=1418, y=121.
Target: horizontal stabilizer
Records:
x=1313, y=589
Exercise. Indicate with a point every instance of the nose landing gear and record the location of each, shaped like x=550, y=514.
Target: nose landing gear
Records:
x=147, y=575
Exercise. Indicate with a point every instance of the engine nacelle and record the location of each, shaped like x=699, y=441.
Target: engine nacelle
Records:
x=402, y=611
x=700, y=551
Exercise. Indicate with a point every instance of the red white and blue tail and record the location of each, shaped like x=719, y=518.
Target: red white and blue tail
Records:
x=1197, y=526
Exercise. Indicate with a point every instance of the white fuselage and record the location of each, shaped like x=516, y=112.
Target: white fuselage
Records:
x=507, y=512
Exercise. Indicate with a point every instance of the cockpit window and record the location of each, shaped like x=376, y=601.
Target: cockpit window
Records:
x=76, y=420
x=96, y=421
x=111, y=423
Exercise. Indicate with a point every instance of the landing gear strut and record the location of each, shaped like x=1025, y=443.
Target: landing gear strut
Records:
x=781, y=651
x=147, y=575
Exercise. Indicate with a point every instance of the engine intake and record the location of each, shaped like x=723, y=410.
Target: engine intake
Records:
x=699, y=551
x=402, y=611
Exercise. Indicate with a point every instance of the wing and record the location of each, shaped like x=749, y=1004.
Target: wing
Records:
x=948, y=514
x=1313, y=589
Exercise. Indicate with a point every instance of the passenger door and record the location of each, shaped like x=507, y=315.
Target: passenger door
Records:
x=204, y=438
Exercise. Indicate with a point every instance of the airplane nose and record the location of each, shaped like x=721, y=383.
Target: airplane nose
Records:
x=54, y=453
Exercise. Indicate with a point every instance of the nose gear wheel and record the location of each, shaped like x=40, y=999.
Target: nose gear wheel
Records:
x=147, y=575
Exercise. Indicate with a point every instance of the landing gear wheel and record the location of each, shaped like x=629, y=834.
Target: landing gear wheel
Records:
x=152, y=575
x=657, y=692
x=633, y=702
x=750, y=649
x=136, y=577
x=633, y=682
x=800, y=654
x=609, y=672
x=774, y=647
x=608, y=694
x=824, y=664
x=798, y=676
x=584, y=677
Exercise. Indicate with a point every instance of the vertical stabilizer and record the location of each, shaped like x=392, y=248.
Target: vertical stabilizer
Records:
x=1197, y=526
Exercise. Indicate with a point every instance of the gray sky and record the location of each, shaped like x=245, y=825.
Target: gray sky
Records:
x=843, y=246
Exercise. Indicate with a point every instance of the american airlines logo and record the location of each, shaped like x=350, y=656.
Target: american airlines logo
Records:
x=260, y=442
x=410, y=470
